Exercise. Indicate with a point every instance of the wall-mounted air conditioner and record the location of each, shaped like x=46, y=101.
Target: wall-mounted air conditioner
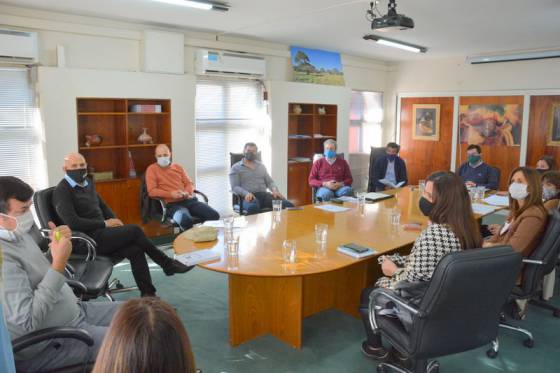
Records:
x=211, y=62
x=18, y=47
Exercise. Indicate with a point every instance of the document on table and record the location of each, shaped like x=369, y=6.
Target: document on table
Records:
x=390, y=184
x=332, y=208
x=496, y=200
x=481, y=209
x=372, y=196
x=237, y=223
x=348, y=199
x=198, y=256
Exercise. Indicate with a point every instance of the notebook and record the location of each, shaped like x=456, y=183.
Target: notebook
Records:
x=372, y=196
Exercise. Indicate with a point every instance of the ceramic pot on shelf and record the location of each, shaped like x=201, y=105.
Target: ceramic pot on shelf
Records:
x=93, y=140
x=322, y=110
x=144, y=138
x=297, y=109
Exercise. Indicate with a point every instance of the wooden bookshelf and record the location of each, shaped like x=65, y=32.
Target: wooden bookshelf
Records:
x=120, y=127
x=307, y=130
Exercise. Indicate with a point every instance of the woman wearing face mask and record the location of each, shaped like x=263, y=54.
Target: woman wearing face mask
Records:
x=551, y=189
x=546, y=163
x=528, y=216
x=452, y=227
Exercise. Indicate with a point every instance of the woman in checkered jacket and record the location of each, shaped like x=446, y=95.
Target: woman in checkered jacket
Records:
x=452, y=227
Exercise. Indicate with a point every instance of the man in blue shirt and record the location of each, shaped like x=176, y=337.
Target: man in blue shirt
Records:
x=390, y=170
x=477, y=173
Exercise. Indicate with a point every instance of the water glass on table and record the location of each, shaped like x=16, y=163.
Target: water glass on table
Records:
x=361, y=201
x=479, y=193
x=422, y=185
x=289, y=251
x=395, y=217
x=321, y=232
x=276, y=206
x=228, y=227
x=232, y=245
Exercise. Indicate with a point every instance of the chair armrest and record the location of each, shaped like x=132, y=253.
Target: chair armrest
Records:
x=163, y=205
x=79, y=236
x=395, y=298
x=531, y=261
x=77, y=285
x=38, y=336
x=204, y=196
x=240, y=200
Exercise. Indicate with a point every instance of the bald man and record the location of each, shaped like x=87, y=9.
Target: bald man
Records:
x=170, y=182
x=80, y=207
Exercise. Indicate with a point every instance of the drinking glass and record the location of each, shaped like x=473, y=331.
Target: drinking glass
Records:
x=321, y=231
x=277, y=206
x=232, y=245
x=422, y=185
x=480, y=193
x=395, y=217
x=289, y=251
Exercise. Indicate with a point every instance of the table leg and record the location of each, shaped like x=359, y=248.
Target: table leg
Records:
x=265, y=305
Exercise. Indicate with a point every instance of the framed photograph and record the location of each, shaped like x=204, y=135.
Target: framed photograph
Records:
x=491, y=124
x=317, y=66
x=425, y=121
x=553, y=138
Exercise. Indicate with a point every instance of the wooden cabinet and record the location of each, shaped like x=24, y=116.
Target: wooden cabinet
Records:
x=120, y=156
x=309, y=125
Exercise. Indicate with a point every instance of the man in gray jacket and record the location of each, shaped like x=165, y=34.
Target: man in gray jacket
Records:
x=35, y=294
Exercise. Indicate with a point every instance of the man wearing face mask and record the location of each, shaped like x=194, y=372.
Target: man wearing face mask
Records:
x=250, y=180
x=331, y=174
x=35, y=294
x=477, y=173
x=390, y=168
x=80, y=207
x=170, y=182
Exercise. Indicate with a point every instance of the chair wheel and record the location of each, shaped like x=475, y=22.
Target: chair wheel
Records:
x=529, y=343
x=434, y=368
x=556, y=313
x=118, y=285
x=491, y=353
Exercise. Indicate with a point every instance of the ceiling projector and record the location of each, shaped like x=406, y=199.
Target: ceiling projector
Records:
x=390, y=21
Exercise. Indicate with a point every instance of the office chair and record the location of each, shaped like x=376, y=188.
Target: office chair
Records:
x=237, y=200
x=373, y=155
x=460, y=310
x=314, y=190
x=46, y=334
x=156, y=208
x=42, y=201
x=541, y=262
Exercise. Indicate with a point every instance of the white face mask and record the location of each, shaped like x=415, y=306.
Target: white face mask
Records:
x=23, y=226
x=518, y=191
x=164, y=161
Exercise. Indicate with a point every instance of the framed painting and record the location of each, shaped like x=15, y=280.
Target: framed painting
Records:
x=553, y=137
x=425, y=122
x=491, y=124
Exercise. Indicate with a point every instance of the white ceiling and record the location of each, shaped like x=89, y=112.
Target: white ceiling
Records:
x=449, y=28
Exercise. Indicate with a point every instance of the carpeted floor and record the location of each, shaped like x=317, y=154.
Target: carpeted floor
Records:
x=331, y=339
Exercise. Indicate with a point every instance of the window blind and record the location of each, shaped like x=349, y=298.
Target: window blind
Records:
x=366, y=116
x=21, y=152
x=229, y=113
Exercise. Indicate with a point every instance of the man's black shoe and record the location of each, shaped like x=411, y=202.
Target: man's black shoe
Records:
x=175, y=266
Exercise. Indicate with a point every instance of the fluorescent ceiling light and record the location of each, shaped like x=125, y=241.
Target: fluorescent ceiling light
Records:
x=204, y=5
x=396, y=44
x=521, y=56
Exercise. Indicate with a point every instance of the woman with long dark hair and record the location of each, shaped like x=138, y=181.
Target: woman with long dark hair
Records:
x=145, y=336
x=446, y=202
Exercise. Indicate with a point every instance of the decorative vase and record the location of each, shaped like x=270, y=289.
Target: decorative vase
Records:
x=144, y=138
x=322, y=110
x=297, y=109
x=93, y=140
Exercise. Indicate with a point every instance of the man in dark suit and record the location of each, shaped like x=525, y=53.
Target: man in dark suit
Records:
x=80, y=207
x=389, y=170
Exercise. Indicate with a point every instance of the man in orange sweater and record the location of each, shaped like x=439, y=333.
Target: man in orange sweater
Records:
x=170, y=182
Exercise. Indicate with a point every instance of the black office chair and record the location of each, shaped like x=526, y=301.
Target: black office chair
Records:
x=314, y=190
x=85, y=270
x=540, y=263
x=237, y=200
x=373, y=155
x=460, y=310
x=156, y=208
x=38, y=336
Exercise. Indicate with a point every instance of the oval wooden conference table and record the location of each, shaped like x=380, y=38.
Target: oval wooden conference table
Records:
x=267, y=295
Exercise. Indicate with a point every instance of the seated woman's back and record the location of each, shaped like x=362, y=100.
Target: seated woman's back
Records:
x=146, y=335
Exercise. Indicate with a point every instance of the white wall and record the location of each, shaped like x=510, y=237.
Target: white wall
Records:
x=281, y=94
x=58, y=89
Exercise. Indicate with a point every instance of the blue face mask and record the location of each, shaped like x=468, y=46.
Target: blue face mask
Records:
x=391, y=157
x=330, y=154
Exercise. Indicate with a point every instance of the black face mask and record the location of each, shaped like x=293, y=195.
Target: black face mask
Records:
x=541, y=171
x=426, y=206
x=250, y=156
x=79, y=175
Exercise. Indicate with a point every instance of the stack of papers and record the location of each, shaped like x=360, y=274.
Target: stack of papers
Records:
x=198, y=256
x=481, y=209
x=372, y=196
x=348, y=199
x=496, y=200
x=390, y=184
x=332, y=208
